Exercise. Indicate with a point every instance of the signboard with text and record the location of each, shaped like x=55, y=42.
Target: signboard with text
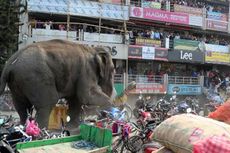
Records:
x=145, y=52
x=189, y=10
x=217, y=25
x=150, y=4
x=217, y=54
x=108, y=38
x=217, y=16
x=182, y=89
x=118, y=51
x=159, y=15
x=149, y=88
x=186, y=56
x=147, y=42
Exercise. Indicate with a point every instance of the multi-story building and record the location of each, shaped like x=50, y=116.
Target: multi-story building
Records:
x=163, y=45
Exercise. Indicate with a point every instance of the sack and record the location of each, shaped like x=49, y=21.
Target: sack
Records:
x=222, y=113
x=179, y=133
x=59, y=112
x=215, y=144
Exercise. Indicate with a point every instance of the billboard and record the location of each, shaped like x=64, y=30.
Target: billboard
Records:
x=159, y=15
x=217, y=16
x=217, y=54
x=147, y=42
x=184, y=44
x=189, y=10
x=186, y=56
x=217, y=25
x=149, y=88
x=146, y=52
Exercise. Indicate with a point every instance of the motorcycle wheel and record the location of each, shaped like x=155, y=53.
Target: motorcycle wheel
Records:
x=128, y=111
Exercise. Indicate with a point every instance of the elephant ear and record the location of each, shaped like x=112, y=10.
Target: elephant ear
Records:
x=104, y=62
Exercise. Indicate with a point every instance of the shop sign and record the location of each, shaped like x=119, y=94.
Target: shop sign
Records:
x=145, y=52
x=189, y=10
x=147, y=42
x=183, y=44
x=118, y=51
x=149, y=4
x=108, y=38
x=80, y=8
x=217, y=25
x=195, y=20
x=217, y=57
x=186, y=56
x=149, y=88
x=182, y=89
x=159, y=15
x=217, y=16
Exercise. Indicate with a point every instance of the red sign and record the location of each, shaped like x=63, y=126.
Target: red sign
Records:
x=159, y=15
x=149, y=88
x=217, y=25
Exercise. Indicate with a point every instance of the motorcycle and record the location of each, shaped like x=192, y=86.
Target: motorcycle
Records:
x=12, y=134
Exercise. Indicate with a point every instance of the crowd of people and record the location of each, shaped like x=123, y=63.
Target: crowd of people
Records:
x=161, y=35
x=191, y=3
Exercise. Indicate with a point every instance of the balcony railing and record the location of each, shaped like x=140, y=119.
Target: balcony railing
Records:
x=183, y=80
x=146, y=78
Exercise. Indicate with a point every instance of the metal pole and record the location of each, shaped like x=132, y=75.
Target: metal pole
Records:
x=68, y=19
x=99, y=29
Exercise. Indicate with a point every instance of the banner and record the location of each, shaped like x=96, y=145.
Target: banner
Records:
x=147, y=42
x=195, y=20
x=184, y=44
x=109, y=38
x=217, y=25
x=159, y=15
x=135, y=52
x=148, y=52
x=118, y=51
x=149, y=88
x=149, y=4
x=186, y=56
x=217, y=16
x=161, y=54
x=145, y=52
x=189, y=10
x=217, y=57
x=217, y=54
x=182, y=89
x=216, y=48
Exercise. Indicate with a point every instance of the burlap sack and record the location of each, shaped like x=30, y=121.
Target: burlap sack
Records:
x=180, y=132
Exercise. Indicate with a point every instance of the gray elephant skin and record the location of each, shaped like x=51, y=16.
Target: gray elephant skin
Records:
x=44, y=72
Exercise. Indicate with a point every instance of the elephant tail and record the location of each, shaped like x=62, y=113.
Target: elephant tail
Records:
x=3, y=79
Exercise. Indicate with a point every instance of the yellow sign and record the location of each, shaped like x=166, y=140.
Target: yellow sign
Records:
x=217, y=57
x=148, y=42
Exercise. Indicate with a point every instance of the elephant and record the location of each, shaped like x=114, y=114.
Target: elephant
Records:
x=46, y=71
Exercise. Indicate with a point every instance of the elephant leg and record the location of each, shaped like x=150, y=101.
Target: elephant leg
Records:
x=43, y=98
x=74, y=111
x=21, y=105
x=43, y=114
